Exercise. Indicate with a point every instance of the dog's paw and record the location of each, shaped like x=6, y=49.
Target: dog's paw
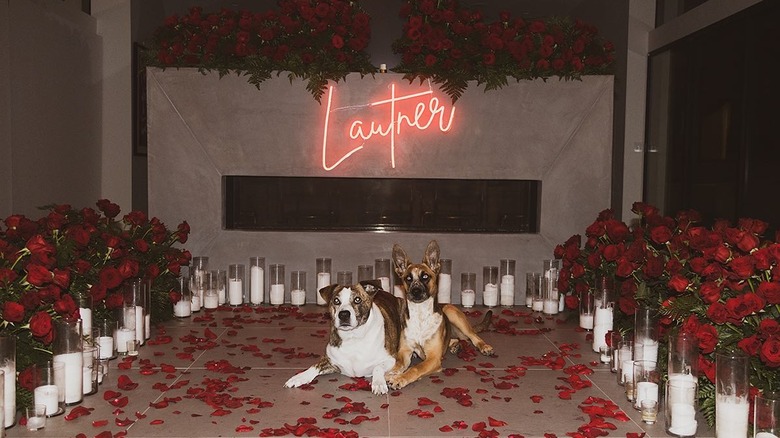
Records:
x=397, y=381
x=486, y=349
x=301, y=378
x=379, y=386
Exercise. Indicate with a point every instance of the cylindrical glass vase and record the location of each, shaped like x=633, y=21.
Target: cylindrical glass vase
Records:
x=8, y=366
x=133, y=316
x=219, y=278
x=298, y=288
x=603, y=315
x=586, y=310
x=646, y=334
x=490, y=286
x=683, y=357
x=365, y=272
x=766, y=415
x=67, y=349
x=533, y=286
x=445, y=281
x=236, y=283
x=276, y=281
x=506, y=271
x=323, y=269
x=344, y=278
x=468, y=284
x=680, y=408
x=256, y=281
x=45, y=390
x=383, y=271
x=732, y=386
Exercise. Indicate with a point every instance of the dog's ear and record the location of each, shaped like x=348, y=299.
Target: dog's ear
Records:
x=431, y=257
x=327, y=292
x=371, y=287
x=400, y=261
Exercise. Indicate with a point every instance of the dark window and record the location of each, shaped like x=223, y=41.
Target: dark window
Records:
x=266, y=203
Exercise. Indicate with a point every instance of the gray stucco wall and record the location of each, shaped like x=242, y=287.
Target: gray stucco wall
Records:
x=203, y=127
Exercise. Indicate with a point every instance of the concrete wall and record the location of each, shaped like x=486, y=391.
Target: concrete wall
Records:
x=202, y=128
x=50, y=92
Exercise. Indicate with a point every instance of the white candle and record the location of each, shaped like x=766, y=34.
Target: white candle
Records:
x=323, y=279
x=627, y=370
x=47, y=395
x=683, y=419
x=445, y=288
x=298, y=297
x=398, y=291
x=490, y=295
x=195, y=303
x=106, y=344
x=385, y=281
x=256, y=284
x=602, y=324
x=85, y=314
x=35, y=423
x=73, y=375
x=183, y=308
x=586, y=321
x=221, y=294
x=550, y=307
x=537, y=305
x=277, y=294
x=529, y=300
x=235, y=292
x=765, y=435
x=140, y=330
x=731, y=416
x=122, y=336
x=211, y=301
x=467, y=297
x=645, y=391
x=508, y=290
x=604, y=355
x=147, y=325
x=9, y=379
x=86, y=380
x=561, y=301
x=646, y=350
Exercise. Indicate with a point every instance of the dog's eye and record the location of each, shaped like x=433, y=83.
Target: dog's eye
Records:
x=409, y=278
x=357, y=300
x=425, y=277
x=336, y=301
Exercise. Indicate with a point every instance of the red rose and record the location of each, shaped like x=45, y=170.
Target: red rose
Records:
x=30, y=300
x=337, y=41
x=707, y=367
x=742, y=267
x=710, y=292
x=40, y=325
x=708, y=338
x=110, y=209
x=27, y=378
x=770, y=352
x=624, y=268
x=718, y=313
x=769, y=327
x=596, y=229
x=678, y=283
x=747, y=242
x=654, y=267
x=152, y=271
x=13, y=311
x=135, y=217
x=7, y=276
x=612, y=252
x=750, y=345
x=98, y=292
x=660, y=234
x=38, y=275
x=128, y=268
x=722, y=254
x=769, y=291
x=616, y=231
x=572, y=302
x=698, y=264
x=114, y=301
x=594, y=260
x=627, y=305
x=80, y=234
x=691, y=325
x=141, y=245
x=110, y=277
x=65, y=306
x=62, y=278
x=430, y=60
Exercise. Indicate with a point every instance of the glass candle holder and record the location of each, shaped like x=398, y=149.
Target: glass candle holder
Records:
x=625, y=353
x=614, y=340
x=67, y=349
x=365, y=272
x=646, y=334
x=210, y=294
x=680, y=407
x=8, y=366
x=383, y=270
x=134, y=308
x=198, y=266
x=533, y=285
x=298, y=288
x=646, y=380
x=322, y=267
x=490, y=286
x=586, y=310
x=182, y=307
x=235, y=287
x=683, y=356
x=344, y=278
x=603, y=315
x=104, y=334
x=46, y=391
x=766, y=415
x=84, y=302
x=256, y=281
x=219, y=279
x=146, y=304
x=732, y=387
x=627, y=371
x=276, y=281
x=445, y=281
x=550, y=293
x=89, y=381
x=468, y=284
x=506, y=271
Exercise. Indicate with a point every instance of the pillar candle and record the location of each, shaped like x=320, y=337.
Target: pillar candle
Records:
x=10, y=393
x=122, y=336
x=85, y=314
x=47, y=395
x=235, y=292
x=323, y=279
x=467, y=297
x=731, y=416
x=490, y=295
x=73, y=375
x=445, y=288
x=507, y=290
x=106, y=344
x=386, y=282
x=256, y=284
x=182, y=309
x=298, y=297
x=277, y=294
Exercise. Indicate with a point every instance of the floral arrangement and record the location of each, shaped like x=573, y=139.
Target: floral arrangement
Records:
x=315, y=40
x=720, y=282
x=451, y=45
x=47, y=265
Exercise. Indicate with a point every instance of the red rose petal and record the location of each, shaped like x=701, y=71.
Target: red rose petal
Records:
x=156, y=422
x=495, y=423
x=99, y=423
x=119, y=402
x=77, y=412
x=124, y=382
x=109, y=394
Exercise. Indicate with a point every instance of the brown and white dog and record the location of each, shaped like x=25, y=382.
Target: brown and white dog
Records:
x=364, y=335
x=430, y=328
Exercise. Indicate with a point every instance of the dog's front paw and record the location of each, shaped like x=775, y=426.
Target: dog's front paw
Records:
x=486, y=349
x=379, y=386
x=397, y=381
x=301, y=378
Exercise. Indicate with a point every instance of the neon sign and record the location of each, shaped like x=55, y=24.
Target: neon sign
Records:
x=427, y=112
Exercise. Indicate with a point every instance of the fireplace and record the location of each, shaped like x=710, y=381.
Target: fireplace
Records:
x=271, y=203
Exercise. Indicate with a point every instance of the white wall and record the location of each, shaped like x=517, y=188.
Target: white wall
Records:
x=51, y=124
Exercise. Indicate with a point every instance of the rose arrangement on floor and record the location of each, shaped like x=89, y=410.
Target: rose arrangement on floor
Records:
x=721, y=283
x=48, y=265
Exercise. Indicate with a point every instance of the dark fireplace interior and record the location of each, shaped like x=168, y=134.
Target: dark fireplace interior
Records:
x=271, y=203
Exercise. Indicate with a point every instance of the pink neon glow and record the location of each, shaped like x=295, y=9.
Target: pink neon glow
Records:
x=422, y=117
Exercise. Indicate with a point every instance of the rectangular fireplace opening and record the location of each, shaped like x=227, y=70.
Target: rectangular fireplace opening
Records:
x=272, y=203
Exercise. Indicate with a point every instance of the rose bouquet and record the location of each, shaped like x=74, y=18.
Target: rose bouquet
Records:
x=315, y=40
x=721, y=283
x=451, y=45
x=47, y=265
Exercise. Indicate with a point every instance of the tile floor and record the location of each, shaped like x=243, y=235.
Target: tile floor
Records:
x=222, y=374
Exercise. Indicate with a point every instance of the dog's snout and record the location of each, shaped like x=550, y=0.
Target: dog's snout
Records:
x=344, y=315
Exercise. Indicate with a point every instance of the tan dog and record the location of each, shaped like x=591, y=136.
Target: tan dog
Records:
x=430, y=328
